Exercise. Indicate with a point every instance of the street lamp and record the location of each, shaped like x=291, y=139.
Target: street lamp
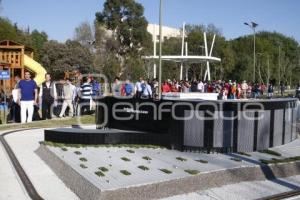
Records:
x=202, y=53
x=160, y=49
x=253, y=25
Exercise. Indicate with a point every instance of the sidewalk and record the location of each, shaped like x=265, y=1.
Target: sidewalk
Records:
x=11, y=187
x=47, y=184
x=244, y=190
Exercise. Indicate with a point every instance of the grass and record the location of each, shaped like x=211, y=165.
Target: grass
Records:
x=130, y=151
x=271, y=152
x=146, y=158
x=55, y=144
x=125, y=172
x=181, y=159
x=142, y=167
x=103, y=169
x=202, y=161
x=64, y=148
x=277, y=161
x=166, y=171
x=192, y=172
x=83, y=159
x=99, y=173
x=125, y=159
x=83, y=166
x=86, y=119
x=77, y=152
x=236, y=159
x=244, y=154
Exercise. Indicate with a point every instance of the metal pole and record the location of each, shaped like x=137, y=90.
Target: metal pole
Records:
x=154, y=52
x=186, y=67
x=254, y=55
x=4, y=106
x=279, y=76
x=182, y=51
x=160, y=49
x=268, y=70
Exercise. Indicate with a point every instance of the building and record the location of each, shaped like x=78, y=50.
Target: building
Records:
x=167, y=32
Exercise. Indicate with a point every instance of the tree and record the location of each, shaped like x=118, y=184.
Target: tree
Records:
x=125, y=18
x=37, y=40
x=84, y=34
x=128, y=26
x=58, y=58
x=7, y=30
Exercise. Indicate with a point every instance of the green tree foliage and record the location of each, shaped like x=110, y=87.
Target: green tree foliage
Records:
x=128, y=27
x=125, y=18
x=37, y=42
x=58, y=58
x=7, y=30
x=281, y=51
x=35, y=39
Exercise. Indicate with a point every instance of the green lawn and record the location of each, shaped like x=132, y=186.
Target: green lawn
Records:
x=59, y=122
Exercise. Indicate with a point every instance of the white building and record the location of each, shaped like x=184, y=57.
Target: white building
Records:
x=167, y=32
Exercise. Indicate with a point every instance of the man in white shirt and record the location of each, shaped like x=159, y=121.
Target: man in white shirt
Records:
x=147, y=91
x=200, y=87
x=138, y=88
x=68, y=96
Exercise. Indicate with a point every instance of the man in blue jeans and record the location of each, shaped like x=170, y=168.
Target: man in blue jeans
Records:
x=27, y=97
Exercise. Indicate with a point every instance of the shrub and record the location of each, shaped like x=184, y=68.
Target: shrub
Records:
x=166, y=171
x=103, y=169
x=142, y=167
x=125, y=172
x=83, y=159
x=99, y=173
x=202, y=161
x=147, y=158
x=192, y=172
x=125, y=159
x=181, y=159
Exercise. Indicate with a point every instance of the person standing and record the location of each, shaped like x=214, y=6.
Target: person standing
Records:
x=85, y=96
x=117, y=87
x=68, y=96
x=128, y=88
x=47, y=96
x=138, y=88
x=147, y=91
x=15, y=107
x=244, y=88
x=27, y=97
x=200, y=87
x=270, y=90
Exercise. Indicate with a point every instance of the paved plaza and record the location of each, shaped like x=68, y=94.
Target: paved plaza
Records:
x=145, y=166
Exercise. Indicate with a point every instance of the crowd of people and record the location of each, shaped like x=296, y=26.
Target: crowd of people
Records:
x=226, y=90
x=64, y=98
x=55, y=98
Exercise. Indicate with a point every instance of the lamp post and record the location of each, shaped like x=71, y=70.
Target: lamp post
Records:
x=160, y=49
x=202, y=53
x=253, y=25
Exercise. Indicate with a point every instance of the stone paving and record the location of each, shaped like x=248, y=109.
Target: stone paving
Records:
x=47, y=184
x=10, y=186
x=244, y=190
x=25, y=143
x=111, y=158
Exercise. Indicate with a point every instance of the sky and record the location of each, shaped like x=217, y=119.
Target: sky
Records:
x=58, y=18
